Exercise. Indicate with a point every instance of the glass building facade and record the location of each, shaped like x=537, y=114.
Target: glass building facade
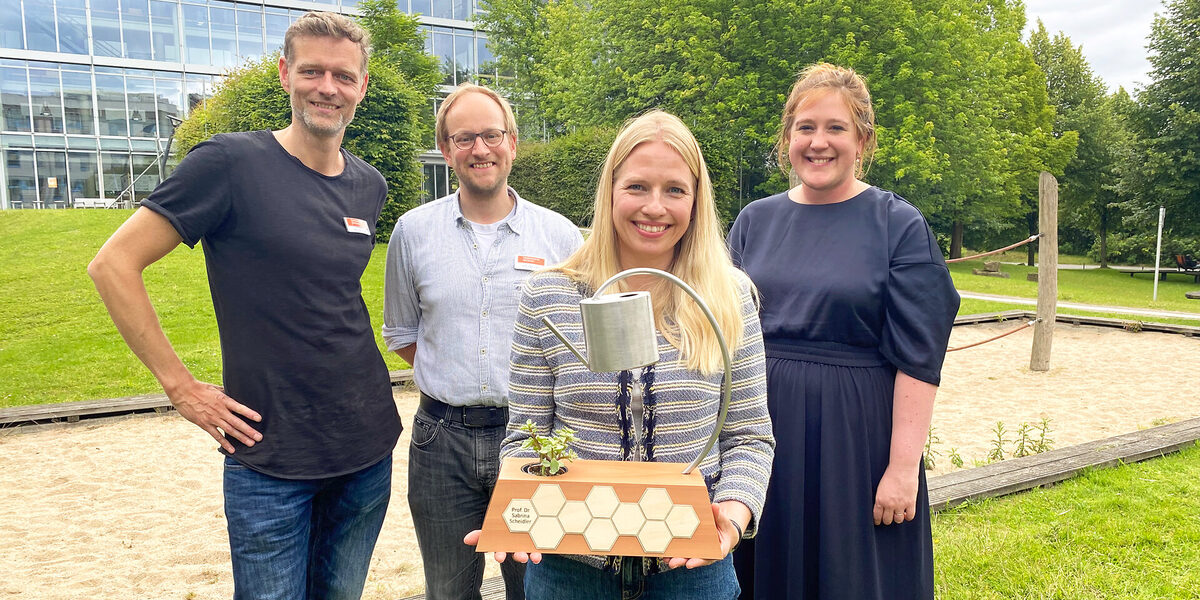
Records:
x=90, y=89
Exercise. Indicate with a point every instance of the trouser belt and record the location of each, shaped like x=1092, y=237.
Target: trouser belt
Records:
x=471, y=416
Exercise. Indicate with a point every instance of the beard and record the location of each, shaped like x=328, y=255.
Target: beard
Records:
x=316, y=125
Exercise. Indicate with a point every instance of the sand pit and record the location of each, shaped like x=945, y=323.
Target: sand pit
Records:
x=131, y=507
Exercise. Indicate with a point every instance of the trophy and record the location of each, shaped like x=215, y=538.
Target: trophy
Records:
x=611, y=507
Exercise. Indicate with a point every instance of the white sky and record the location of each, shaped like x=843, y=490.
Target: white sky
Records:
x=1112, y=32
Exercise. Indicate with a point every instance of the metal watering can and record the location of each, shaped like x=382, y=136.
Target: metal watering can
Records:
x=619, y=335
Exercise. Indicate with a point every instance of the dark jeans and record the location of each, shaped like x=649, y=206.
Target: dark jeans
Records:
x=452, y=469
x=559, y=577
x=304, y=538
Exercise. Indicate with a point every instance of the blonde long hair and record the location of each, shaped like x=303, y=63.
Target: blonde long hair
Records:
x=701, y=257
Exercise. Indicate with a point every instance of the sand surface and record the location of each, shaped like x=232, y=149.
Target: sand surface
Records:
x=131, y=507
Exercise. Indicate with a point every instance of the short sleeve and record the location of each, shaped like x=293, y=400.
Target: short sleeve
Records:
x=196, y=197
x=920, y=303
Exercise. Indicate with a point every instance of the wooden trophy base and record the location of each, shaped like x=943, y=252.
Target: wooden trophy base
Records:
x=601, y=507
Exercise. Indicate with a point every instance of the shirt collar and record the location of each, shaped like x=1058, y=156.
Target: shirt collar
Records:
x=515, y=222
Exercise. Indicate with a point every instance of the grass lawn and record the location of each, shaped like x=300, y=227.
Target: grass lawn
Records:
x=1129, y=532
x=57, y=343
x=1093, y=286
x=56, y=340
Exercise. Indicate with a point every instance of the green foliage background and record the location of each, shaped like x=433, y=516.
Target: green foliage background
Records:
x=561, y=174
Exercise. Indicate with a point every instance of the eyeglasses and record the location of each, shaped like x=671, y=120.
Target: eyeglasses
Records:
x=491, y=138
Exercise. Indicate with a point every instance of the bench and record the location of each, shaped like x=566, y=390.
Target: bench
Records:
x=93, y=203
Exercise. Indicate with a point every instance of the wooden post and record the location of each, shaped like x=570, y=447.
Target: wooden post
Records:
x=1043, y=331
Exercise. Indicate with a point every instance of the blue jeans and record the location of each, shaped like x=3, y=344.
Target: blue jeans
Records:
x=559, y=577
x=452, y=470
x=303, y=538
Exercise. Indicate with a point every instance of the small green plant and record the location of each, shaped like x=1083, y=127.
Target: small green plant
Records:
x=1132, y=326
x=1024, y=444
x=930, y=456
x=997, y=452
x=956, y=459
x=552, y=450
x=1043, y=443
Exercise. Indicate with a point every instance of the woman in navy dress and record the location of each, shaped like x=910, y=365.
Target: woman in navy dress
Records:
x=857, y=306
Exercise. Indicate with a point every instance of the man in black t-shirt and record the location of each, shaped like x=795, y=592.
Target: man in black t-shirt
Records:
x=305, y=415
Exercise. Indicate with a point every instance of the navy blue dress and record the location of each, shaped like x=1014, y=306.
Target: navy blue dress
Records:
x=850, y=293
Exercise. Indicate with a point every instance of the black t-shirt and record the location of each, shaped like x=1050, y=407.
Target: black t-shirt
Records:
x=285, y=248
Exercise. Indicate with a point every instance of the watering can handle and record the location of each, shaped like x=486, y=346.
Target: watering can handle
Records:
x=727, y=382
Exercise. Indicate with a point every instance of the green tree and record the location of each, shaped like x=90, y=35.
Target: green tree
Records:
x=962, y=127
x=1167, y=121
x=1088, y=196
x=397, y=40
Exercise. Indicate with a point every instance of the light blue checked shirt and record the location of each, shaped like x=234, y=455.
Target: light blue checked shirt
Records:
x=458, y=301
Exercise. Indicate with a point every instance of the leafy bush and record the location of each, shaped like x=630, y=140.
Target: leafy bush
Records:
x=561, y=174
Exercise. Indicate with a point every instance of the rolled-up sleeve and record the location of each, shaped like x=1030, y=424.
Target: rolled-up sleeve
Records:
x=401, y=304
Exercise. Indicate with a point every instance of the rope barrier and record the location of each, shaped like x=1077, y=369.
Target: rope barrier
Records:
x=994, y=338
x=1004, y=249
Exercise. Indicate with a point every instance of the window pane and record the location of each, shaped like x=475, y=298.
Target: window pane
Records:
x=443, y=48
x=45, y=91
x=39, y=25
x=164, y=24
x=52, y=178
x=135, y=23
x=106, y=27
x=462, y=9
x=77, y=100
x=442, y=8
x=72, y=26
x=147, y=173
x=143, y=121
x=199, y=89
x=276, y=26
x=169, y=92
x=11, y=32
x=85, y=175
x=14, y=94
x=421, y=7
x=249, y=34
x=464, y=57
x=19, y=175
x=110, y=103
x=115, y=169
x=195, y=33
x=224, y=37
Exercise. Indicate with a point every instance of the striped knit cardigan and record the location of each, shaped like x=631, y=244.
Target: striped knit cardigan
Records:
x=549, y=386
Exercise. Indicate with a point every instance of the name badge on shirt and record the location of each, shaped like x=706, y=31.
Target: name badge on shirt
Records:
x=529, y=263
x=356, y=225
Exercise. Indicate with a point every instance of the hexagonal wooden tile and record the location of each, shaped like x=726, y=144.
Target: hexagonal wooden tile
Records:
x=654, y=537
x=546, y=533
x=574, y=516
x=602, y=501
x=628, y=518
x=655, y=503
x=682, y=521
x=519, y=515
x=548, y=499
x=600, y=535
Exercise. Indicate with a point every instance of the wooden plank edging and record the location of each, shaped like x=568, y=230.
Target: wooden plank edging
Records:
x=1020, y=474
x=34, y=414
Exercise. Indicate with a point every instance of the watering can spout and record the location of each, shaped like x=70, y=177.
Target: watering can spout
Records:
x=562, y=338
